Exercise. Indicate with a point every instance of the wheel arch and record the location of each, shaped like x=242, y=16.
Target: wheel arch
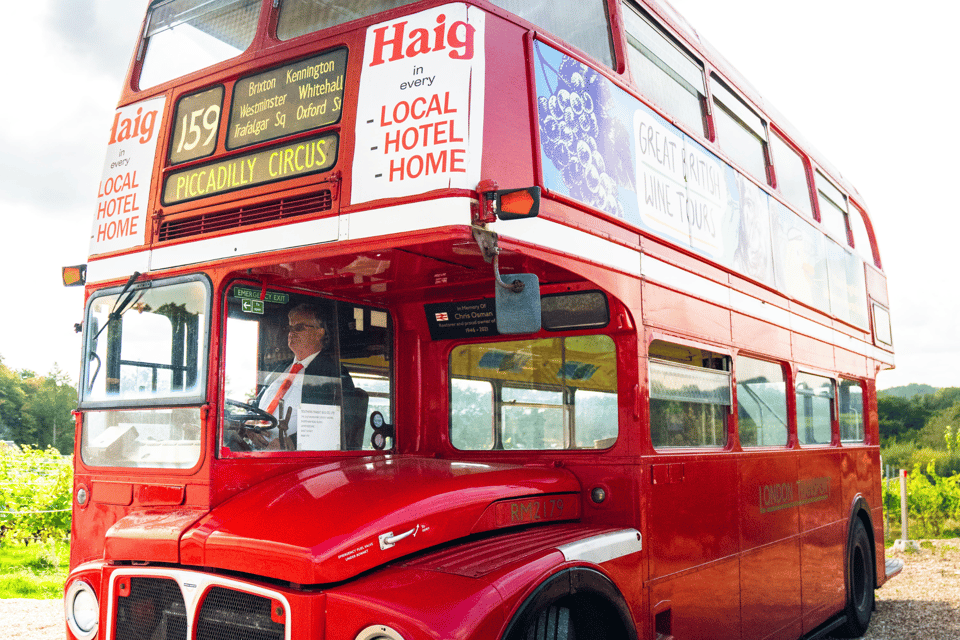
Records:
x=580, y=588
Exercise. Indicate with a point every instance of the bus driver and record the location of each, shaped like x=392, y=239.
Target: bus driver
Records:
x=312, y=377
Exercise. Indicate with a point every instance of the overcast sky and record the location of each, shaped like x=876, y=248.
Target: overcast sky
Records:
x=867, y=83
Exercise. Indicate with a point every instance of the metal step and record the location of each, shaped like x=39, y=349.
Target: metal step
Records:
x=893, y=567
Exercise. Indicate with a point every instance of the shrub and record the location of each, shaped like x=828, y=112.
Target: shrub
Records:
x=35, y=487
x=933, y=502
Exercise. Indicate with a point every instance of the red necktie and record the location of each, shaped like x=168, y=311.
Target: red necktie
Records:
x=284, y=387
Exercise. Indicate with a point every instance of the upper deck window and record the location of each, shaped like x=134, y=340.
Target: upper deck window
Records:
x=791, y=174
x=183, y=36
x=300, y=17
x=584, y=24
x=833, y=209
x=665, y=73
x=861, y=239
x=740, y=132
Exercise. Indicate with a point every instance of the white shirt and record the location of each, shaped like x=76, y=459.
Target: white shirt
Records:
x=291, y=399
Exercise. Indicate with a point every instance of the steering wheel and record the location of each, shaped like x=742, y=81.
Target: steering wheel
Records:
x=253, y=413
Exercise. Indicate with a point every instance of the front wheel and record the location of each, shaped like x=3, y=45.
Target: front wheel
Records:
x=553, y=623
x=860, y=582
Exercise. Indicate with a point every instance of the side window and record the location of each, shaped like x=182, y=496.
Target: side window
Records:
x=761, y=403
x=815, y=408
x=663, y=72
x=740, y=132
x=861, y=240
x=851, y=411
x=833, y=209
x=554, y=393
x=791, y=175
x=584, y=24
x=689, y=396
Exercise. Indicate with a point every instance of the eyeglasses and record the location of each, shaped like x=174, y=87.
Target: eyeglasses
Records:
x=300, y=328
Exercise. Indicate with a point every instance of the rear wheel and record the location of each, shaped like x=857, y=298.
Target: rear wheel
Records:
x=860, y=582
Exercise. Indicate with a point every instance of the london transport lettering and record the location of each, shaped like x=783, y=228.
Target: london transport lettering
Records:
x=127, y=172
x=421, y=112
x=287, y=100
x=775, y=497
x=287, y=161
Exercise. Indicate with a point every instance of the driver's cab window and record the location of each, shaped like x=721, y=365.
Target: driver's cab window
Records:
x=302, y=373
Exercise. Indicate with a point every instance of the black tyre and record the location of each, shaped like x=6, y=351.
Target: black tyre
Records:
x=860, y=582
x=553, y=623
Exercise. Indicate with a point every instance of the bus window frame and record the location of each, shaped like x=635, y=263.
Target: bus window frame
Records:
x=859, y=383
x=623, y=393
x=738, y=111
x=843, y=207
x=834, y=407
x=264, y=18
x=732, y=437
x=788, y=404
x=632, y=74
x=223, y=452
x=810, y=211
x=197, y=399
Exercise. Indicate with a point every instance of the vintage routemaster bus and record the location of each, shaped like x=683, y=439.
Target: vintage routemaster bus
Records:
x=469, y=320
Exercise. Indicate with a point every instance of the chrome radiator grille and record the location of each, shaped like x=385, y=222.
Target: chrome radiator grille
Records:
x=192, y=606
x=153, y=609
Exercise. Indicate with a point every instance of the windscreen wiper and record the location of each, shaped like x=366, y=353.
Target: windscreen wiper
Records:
x=117, y=311
x=120, y=307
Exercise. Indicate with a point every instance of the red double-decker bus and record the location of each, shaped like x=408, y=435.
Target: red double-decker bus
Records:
x=484, y=319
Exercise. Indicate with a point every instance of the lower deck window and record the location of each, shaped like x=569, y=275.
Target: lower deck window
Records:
x=761, y=403
x=555, y=393
x=851, y=411
x=814, y=409
x=689, y=396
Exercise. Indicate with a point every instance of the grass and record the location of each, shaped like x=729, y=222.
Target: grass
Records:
x=36, y=570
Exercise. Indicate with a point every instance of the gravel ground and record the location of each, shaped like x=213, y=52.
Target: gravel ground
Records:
x=923, y=602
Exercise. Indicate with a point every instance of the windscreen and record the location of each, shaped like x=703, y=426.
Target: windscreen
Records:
x=183, y=36
x=144, y=374
x=302, y=373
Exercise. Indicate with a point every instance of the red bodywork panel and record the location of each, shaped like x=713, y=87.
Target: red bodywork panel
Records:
x=324, y=524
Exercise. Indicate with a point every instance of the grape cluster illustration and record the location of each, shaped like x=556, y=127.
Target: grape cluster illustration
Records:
x=580, y=137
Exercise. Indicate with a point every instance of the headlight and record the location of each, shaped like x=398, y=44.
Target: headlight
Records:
x=379, y=632
x=82, y=610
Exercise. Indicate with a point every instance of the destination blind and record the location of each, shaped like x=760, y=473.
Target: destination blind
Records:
x=291, y=160
x=290, y=99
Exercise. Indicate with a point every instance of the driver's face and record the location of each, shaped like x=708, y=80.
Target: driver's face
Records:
x=304, y=335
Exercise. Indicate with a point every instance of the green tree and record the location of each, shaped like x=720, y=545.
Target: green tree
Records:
x=37, y=410
x=12, y=398
x=48, y=410
x=901, y=418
